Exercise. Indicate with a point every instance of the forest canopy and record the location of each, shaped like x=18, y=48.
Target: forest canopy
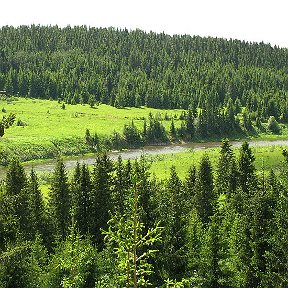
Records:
x=134, y=68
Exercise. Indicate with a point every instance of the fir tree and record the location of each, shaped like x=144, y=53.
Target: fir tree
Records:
x=101, y=198
x=247, y=177
x=16, y=198
x=60, y=200
x=83, y=206
x=226, y=180
x=36, y=206
x=204, y=196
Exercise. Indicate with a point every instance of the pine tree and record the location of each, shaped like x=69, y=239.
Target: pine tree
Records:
x=204, y=196
x=226, y=177
x=82, y=204
x=247, y=177
x=60, y=200
x=16, y=202
x=101, y=198
x=36, y=206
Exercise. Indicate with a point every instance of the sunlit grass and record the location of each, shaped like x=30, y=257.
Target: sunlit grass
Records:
x=46, y=120
x=266, y=159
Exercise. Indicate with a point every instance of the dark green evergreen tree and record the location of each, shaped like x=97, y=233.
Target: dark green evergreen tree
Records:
x=226, y=177
x=190, y=124
x=101, y=198
x=82, y=204
x=60, y=201
x=247, y=177
x=36, y=207
x=210, y=257
x=16, y=213
x=204, y=195
x=120, y=187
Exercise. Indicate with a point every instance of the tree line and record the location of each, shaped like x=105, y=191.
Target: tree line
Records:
x=134, y=68
x=114, y=225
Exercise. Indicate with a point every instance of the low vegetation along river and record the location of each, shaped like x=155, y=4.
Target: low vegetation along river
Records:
x=132, y=154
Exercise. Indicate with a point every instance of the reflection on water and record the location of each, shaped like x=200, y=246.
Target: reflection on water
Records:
x=49, y=165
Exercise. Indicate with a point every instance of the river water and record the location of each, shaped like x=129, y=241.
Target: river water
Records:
x=132, y=154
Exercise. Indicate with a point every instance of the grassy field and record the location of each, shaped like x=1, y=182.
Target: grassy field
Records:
x=267, y=158
x=46, y=120
x=47, y=126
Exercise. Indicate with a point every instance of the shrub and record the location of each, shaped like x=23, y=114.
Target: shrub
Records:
x=273, y=125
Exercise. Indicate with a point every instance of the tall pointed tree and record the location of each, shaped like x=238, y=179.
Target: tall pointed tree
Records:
x=101, y=198
x=16, y=201
x=204, y=196
x=226, y=177
x=247, y=176
x=83, y=205
x=36, y=205
x=60, y=200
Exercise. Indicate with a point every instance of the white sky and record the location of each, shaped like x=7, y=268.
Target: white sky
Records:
x=250, y=20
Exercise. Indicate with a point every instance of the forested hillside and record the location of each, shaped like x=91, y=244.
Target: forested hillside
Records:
x=133, y=68
x=116, y=226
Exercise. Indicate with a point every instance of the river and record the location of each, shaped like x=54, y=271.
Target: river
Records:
x=132, y=154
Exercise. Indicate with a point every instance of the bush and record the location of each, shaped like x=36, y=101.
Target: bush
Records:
x=273, y=125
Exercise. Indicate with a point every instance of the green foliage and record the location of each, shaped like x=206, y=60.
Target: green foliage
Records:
x=101, y=198
x=247, y=177
x=60, y=200
x=122, y=68
x=131, y=246
x=132, y=135
x=73, y=264
x=273, y=125
x=6, y=122
x=221, y=233
x=204, y=196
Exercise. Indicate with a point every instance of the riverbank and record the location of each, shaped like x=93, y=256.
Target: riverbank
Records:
x=186, y=156
x=51, y=130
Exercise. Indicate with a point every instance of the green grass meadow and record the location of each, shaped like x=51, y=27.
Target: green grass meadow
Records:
x=267, y=158
x=47, y=125
x=46, y=120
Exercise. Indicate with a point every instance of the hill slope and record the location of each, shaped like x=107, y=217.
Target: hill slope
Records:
x=123, y=68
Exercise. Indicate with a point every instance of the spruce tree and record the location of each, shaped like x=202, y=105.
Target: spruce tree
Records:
x=132, y=245
x=82, y=203
x=190, y=124
x=16, y=201
x=101, y=198
x=60, y=200
x=176, y=227
x=204, y=195
x=190, y=188
x=210, y=256
x=15, y=178
x=247, y=176
x=36, y=206
x=226, y=177
x=120, y=187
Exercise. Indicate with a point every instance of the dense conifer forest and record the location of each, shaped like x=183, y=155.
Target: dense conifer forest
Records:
x=134, y=68
x=116, y=226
